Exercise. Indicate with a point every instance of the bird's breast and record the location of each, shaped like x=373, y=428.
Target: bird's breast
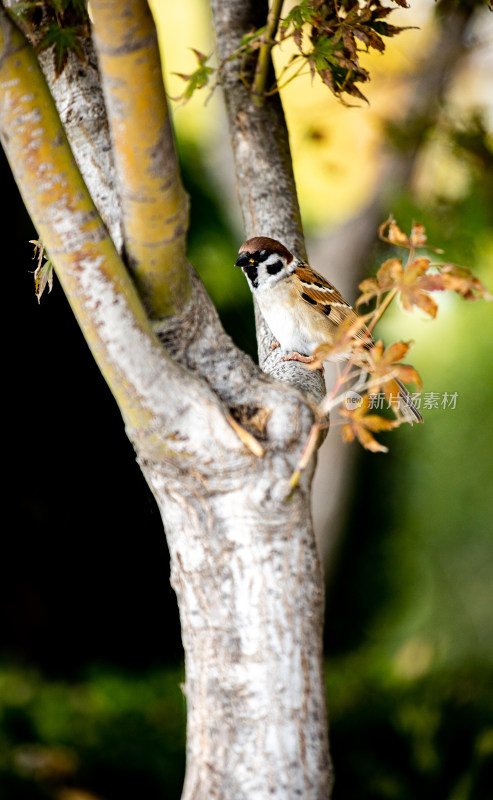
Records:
x=294, y=327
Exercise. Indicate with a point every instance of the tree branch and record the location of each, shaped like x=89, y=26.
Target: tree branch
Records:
x=80, y=104
x=264, y=57
x=154, y=204
x=264, y=172
x=157, y=397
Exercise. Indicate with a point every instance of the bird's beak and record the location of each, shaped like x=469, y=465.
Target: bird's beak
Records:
x=243, y=259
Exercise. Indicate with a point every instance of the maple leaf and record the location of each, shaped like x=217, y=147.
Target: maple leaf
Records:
x=411, y=281
x=418, y=235
x=385, y=366
x=301, y=13
x=64, y=40
x=362, y=426
x=389, y=231
x=196, y=79
x=369, y=288
x=457, y=279
x=412, y=285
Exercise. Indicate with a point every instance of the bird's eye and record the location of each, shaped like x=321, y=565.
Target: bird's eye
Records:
x=263, y=255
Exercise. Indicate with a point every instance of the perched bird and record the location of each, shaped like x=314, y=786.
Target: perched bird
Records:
x=303, y=310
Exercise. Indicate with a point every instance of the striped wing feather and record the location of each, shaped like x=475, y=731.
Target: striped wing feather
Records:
x=324, y=298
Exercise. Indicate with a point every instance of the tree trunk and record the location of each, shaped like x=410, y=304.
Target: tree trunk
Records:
x=249, y=582
x=247, y=576
x=217, y=441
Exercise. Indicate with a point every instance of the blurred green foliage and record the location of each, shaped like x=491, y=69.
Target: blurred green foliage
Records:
x=120, y=736
x=399, y=738
x=409, y=622
x=114, y=735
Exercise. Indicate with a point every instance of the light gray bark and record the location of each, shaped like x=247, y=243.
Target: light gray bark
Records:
x=80, y=104
x=78, y=96
x=244, y=561
x=264, y=171
x=248, y=578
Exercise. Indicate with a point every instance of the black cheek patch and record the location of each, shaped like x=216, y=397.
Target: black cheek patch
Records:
x=308, y=299
x=274, y=268
x=251, y=271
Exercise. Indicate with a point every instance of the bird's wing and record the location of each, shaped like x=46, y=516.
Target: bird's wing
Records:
x=321, y=295
x=324, y=298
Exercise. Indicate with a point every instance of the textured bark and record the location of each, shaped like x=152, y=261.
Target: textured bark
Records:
x=78, y=97
x=243, y=557
x=79, y=100
x=259, y=138
x=249, y=583
x=247, y=576
x=264, y=172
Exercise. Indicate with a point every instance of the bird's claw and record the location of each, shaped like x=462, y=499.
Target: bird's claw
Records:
x=303, y=359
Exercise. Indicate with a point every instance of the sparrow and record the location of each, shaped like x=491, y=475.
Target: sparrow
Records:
x=303, y=310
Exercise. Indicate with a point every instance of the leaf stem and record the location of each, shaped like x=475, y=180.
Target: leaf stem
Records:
x=260, y=80
x=381, y=308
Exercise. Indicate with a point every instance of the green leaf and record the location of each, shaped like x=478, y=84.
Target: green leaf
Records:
x=324, y=52
x=303, y=12
x=196, y=79
x=249, y=38
x=64, y=41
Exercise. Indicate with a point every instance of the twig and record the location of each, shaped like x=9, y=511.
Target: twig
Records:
x=381, y=308
x=260, y=80
x=308, y=451
x=248, y=440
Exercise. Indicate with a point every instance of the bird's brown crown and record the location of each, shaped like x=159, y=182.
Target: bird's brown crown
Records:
x=259, y=243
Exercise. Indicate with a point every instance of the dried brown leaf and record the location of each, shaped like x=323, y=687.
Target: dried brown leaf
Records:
x=418, y=235
x=390, y=232
x=43, y=279
x=362, y=426
x=458, y=279
x=248, y=440
x=384, y=366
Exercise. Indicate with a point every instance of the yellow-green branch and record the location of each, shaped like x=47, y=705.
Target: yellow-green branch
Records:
x=154, y=204
x=264, y=56
x=64, y=214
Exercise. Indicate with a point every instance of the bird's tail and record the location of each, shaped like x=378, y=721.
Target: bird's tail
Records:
x=395, y=388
